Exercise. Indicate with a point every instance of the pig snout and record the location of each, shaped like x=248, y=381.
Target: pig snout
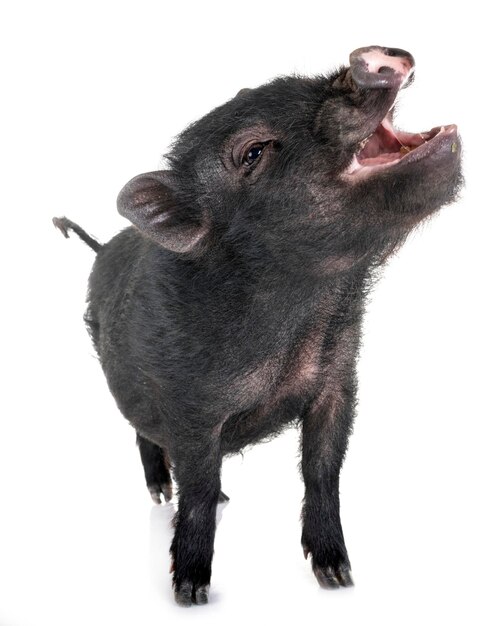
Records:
x=375, y=67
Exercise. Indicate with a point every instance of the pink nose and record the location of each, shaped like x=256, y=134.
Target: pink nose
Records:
x=375, y=67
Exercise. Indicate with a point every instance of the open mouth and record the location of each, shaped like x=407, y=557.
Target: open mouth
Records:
x=386, y=147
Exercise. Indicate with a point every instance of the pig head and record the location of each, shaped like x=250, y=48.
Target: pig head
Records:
x=307, y=174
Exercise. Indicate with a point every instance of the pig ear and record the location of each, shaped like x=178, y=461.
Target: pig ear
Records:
x=150, y=203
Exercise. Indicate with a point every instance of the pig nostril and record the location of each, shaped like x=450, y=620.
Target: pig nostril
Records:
x=398, y=52
x=377, y=67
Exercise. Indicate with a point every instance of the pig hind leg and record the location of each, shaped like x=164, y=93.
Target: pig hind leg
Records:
x=157, y=467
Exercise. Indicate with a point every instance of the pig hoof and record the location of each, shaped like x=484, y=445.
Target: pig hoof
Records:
x=187, y=593
x=156, y=490
x=344, y=577
x=333, y=577
x=183, y=595
x=201, y=595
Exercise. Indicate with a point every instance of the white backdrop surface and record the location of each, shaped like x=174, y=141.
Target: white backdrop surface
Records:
x=93, y=93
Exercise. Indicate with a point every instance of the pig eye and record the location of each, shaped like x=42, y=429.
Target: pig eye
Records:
x=253, y=154
x=246, y=155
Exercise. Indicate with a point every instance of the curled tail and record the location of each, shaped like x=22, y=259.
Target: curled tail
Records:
x=64, y=225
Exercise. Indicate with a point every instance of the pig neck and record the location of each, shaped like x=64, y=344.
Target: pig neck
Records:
x=265, y=304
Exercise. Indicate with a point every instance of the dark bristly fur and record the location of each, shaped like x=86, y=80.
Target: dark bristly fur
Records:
x=233, y=306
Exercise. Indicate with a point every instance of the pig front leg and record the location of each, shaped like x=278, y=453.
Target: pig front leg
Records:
x=326, y=427
x=197, y=471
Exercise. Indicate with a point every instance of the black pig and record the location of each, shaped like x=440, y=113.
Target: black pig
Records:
x=233, y=306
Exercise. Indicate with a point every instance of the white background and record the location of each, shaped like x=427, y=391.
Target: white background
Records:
x=92, y=94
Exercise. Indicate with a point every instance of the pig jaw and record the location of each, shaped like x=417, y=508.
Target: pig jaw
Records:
x=388, y=147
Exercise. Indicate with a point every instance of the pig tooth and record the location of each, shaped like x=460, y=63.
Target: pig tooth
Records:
x=364, y=142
